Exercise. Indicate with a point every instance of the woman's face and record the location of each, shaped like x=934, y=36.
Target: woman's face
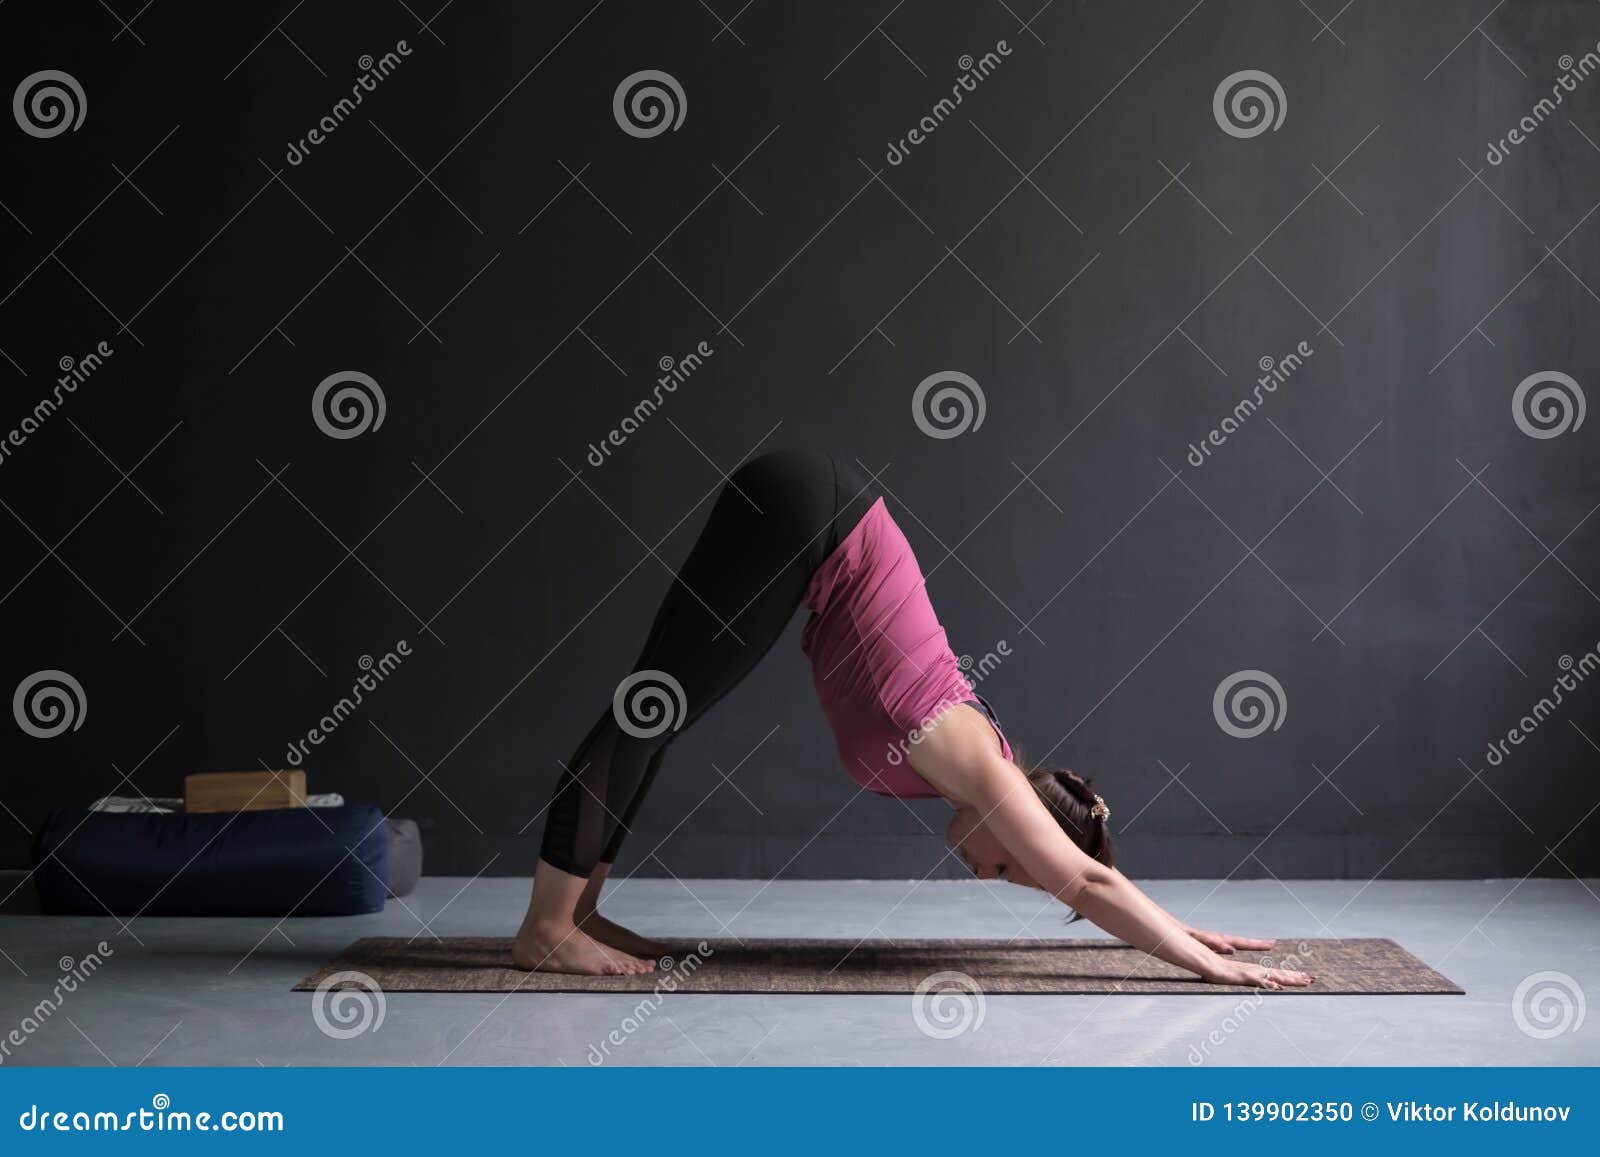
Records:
x=982, y=851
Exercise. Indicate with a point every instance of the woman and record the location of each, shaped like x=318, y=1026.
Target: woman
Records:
x=795, y=529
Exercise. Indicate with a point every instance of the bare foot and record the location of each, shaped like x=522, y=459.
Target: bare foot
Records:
x=569, y=950
x=622, y=939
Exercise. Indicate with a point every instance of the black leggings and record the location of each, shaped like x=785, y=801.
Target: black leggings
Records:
x=775, y=522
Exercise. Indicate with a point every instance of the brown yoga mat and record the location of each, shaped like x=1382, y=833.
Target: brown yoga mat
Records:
x=998, y=967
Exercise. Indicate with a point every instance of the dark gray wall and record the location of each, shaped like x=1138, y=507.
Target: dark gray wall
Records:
x=1380, y=535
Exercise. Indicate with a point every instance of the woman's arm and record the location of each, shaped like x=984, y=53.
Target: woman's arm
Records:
x=963, y=765
x=1104, y=895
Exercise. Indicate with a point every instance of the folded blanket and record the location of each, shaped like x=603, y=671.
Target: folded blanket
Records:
x=163, y=804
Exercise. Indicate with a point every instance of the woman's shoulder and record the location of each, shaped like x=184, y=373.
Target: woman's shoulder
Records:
x=955, y=747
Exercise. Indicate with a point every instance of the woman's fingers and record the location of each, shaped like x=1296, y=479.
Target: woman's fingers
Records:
x=1279, y=978
x=1225, y=943
x=1259, y=976
x=1215, y=941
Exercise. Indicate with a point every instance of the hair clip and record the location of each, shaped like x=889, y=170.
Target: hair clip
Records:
x=1100, y=811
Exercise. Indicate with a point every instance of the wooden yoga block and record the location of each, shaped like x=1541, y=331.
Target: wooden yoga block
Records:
x=243, y=791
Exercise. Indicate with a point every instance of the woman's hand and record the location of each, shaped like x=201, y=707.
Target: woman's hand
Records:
x=1225, y=945
x=1254, y=975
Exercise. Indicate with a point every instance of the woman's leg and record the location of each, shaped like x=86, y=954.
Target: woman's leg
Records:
x=774, y=523
x=589, y=921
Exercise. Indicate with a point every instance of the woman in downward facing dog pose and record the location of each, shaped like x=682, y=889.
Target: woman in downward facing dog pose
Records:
x=794, y=529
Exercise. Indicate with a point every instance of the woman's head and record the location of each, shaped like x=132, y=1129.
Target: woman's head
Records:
x=1071, y=802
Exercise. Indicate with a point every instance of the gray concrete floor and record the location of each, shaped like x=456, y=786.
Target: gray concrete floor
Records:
x=216, y=992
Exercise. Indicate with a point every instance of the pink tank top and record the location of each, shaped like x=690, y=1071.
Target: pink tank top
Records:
x=880, y=661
